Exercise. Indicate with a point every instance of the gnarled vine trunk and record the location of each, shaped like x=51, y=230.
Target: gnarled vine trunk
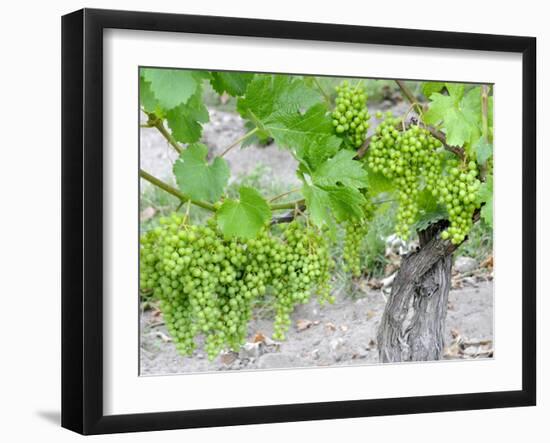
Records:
x=413, y=324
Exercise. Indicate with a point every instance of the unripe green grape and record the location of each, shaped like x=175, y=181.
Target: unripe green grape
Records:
x=351, y=114
x=207, y=284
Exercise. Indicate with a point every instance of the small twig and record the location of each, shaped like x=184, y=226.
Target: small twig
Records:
x=284, y=194
x=160, y=128
x=436, y=133
x=286, y=218
x=155, y=122
x=289, y=205
x=176, y=193
x=410, y=96
x=238, y=141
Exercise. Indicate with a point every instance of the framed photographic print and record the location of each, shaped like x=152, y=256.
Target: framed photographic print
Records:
x=270, y=221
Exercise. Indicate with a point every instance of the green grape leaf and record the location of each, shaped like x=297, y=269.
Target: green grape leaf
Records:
x=377, y=183
x=430, y=211
x=245, y=217
x=310, y=134
x=268, y=95
x=341, y=169
x=484, y=151
x=234, y=83
x=485, y=195
x=344, y=203
x=317, y=203
x=185, y=120
x=428, y=88
x=198, y=179
x=172, y=87
x=146, y=97
x=458, y=113
x=260, y=137
x=292, y=113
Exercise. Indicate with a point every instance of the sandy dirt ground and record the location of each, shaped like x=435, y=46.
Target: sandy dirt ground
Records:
x=341, y=334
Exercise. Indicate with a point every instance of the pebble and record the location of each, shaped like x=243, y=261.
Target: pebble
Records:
x=465, y=264
x=337, y=344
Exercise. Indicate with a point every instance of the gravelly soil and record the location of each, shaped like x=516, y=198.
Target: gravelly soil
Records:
x=340, y=334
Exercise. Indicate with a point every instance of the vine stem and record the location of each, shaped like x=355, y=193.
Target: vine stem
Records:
x=202, y=204
x=176, y=193
x=436, y=133
x=289, y=205
x=238, y=141
x=410, y=96
x=160, y=127
x=485, y=111
x=284, y=194
x=158, y=124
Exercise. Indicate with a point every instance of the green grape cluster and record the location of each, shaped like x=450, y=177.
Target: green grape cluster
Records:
x=415, y=161
x=355, y=232
x=300, y=263
x=411, y=160
x=457, y=191
x=350, y=117
x=207, y=284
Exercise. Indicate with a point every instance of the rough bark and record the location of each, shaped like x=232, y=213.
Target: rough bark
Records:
x=413, y=324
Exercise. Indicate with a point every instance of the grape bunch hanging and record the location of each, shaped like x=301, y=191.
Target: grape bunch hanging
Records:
x=416, y=161
x=207, y=284
x=350, y=117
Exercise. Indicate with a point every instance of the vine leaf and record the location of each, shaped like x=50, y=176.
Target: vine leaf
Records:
x=428, y=88
x=378, y=183
x=459, y=113
x=310, y=135
x=288, y=110
x=146, y=97
x=185, y=119
x=484, y=151
x=430, y=211
x=197, y=178
x=234, y=83
x=244, y=217
x=485, y=195
x=269, y=95
x=343, y=201
x=172, y=87
x=341, y=169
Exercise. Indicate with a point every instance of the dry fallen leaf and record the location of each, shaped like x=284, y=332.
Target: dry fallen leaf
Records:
x=147, y=214
x=344, y=328
x=487, y=263
x=228, y=357
x=303, y=324
x=163, y=337
x=330, y=326
x=259, y=338
x=370, y=314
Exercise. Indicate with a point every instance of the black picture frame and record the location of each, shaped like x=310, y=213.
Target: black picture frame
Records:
x=82, y=221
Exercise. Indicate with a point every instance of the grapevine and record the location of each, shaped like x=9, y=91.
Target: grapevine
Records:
x=207, y=277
